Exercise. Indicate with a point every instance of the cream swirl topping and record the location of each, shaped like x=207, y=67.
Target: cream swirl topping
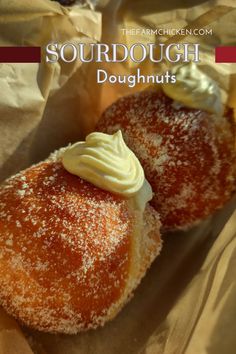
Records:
x=106, y=162
x=194, y=89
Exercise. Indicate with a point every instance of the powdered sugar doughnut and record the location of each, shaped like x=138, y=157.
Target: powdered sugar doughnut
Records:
x=187, y=154
x=70, y=256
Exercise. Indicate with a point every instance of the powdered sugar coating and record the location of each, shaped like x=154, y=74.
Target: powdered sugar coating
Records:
x=187, y=154
x=66, y=250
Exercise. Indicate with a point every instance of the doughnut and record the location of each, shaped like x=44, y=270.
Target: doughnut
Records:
x=71, y=254
x=188, y=154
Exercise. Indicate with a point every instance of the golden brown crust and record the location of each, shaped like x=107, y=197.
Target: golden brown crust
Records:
x=66, y=250
x=187, y=154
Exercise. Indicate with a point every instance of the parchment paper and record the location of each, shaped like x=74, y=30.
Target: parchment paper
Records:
x=186, y=303
x=31, y=93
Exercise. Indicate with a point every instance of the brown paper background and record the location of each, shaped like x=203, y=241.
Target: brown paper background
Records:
x=31, y=94
x=186, y=303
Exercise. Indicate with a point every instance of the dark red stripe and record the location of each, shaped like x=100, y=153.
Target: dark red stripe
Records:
x=225, y=54
x=20, y=54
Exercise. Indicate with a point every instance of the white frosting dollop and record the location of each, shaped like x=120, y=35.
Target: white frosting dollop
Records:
x=105, y=161
x=194, y=89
